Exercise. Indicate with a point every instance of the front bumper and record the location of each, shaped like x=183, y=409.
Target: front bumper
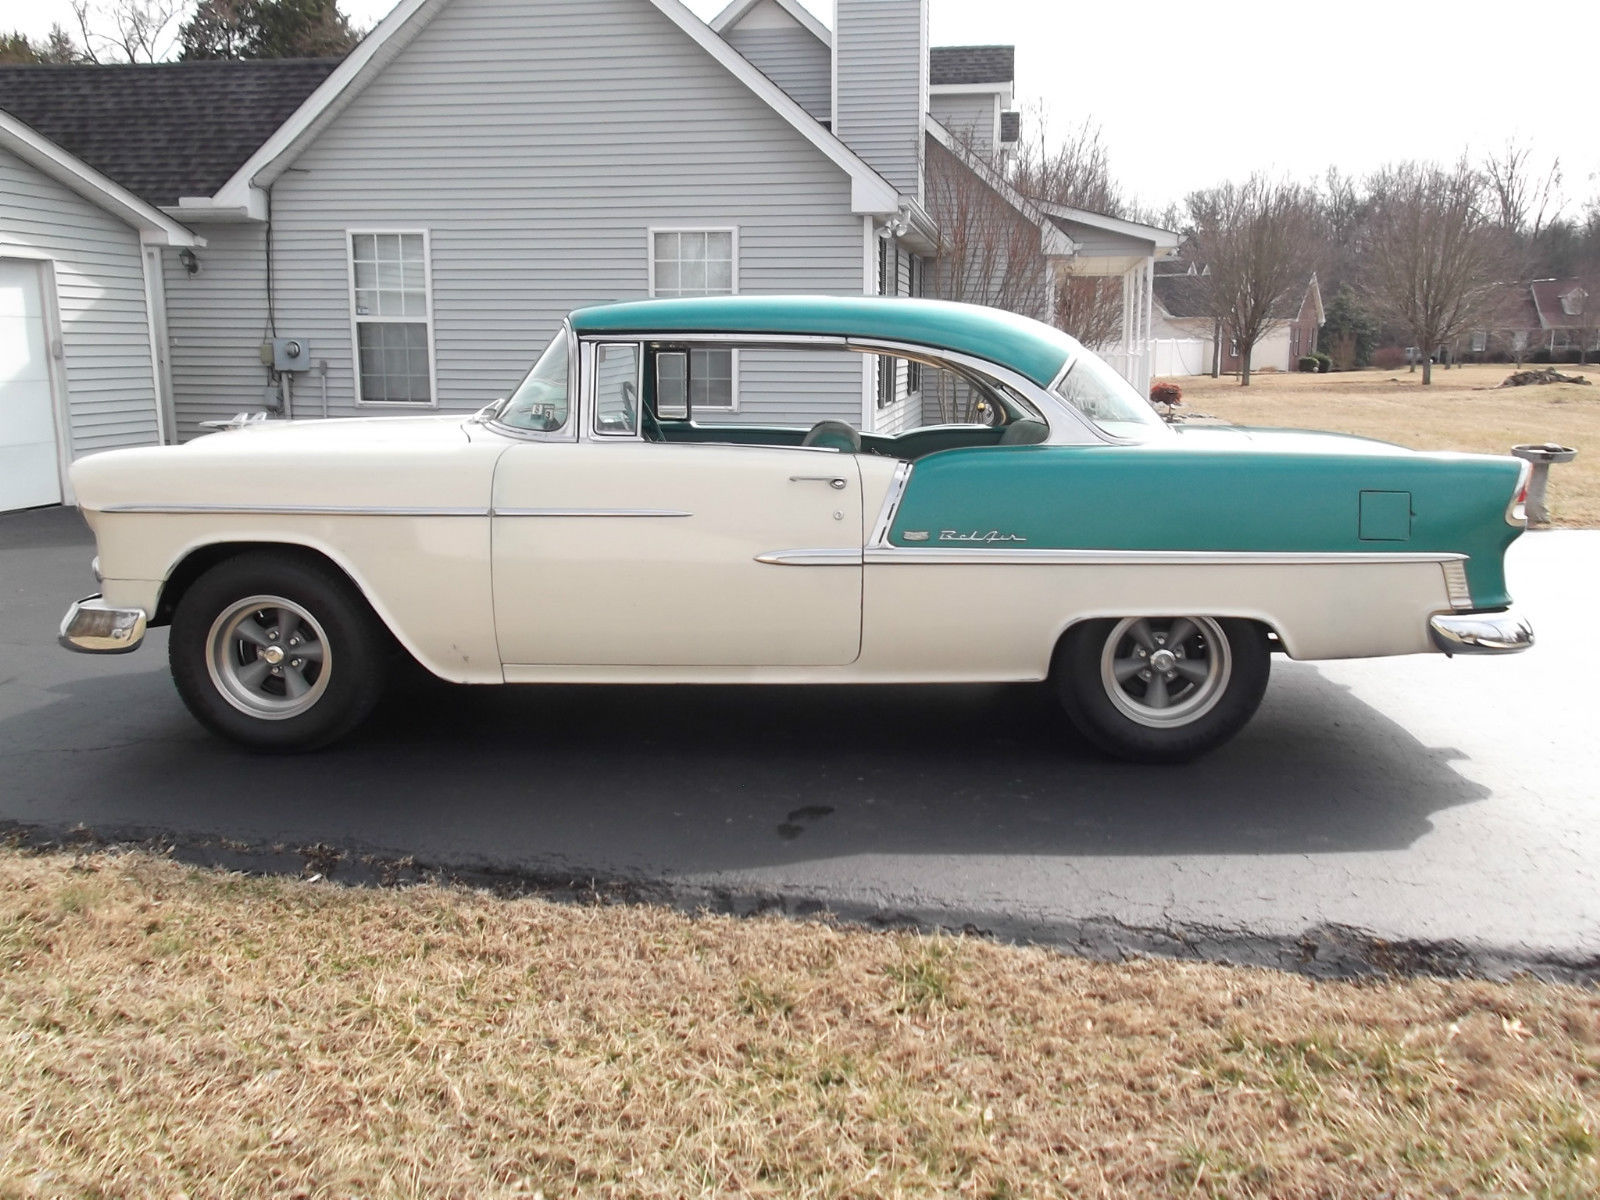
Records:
x=92, y=626
x=1480, y=633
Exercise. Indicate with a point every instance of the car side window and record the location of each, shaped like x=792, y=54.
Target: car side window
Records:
x=616, y=389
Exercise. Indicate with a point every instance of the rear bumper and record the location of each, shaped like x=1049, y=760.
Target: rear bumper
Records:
x=1480, y=633
x=92, y=626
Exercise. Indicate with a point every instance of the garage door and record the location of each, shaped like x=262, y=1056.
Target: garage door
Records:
x=29, y=475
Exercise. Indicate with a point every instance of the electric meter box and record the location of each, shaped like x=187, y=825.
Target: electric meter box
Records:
x=287, y=354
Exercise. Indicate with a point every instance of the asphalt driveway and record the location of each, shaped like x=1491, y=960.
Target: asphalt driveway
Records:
x=1411, y=813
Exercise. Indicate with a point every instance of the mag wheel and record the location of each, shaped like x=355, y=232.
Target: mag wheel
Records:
x=276, y=652
x=1162, y=689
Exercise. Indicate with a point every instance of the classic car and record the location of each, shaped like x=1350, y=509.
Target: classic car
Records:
x=600, y=525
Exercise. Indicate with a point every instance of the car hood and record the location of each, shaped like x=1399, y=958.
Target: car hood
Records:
x=364, y=462
x=343, y=433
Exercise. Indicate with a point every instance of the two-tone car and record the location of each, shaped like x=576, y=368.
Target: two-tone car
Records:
x=978, y=498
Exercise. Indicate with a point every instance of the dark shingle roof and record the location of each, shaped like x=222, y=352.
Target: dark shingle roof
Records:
x=1181, y=295
x=162, y=130
x=1010, y=126
x=1547, y=298
x=972, y=64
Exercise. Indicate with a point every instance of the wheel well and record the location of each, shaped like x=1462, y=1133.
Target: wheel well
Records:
x=200, y=560
x=1274, y=642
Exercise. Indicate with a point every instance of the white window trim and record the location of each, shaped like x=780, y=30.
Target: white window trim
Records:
x=733, y=279
x=350, y=234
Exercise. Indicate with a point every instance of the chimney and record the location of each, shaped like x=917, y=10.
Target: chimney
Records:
x=880, y=85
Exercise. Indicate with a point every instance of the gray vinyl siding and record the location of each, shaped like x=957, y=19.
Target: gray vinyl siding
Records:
x=794, y=60
x=537, y=143
x=216, y=320
x=99, y=285
x=970, y=117
x=882, y=81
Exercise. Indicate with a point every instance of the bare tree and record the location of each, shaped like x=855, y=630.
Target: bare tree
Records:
x=131, y=31
x=990, y=250
x=1438, y=255
x=1089, y=307
x=1258, y=241
x=1075, y=170
x=1523, y=197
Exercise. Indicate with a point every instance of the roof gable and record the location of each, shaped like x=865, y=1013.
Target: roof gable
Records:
x=869, y=191
x=162, y=130
x=739, y=11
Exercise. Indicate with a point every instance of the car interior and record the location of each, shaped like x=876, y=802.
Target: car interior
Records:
x=1003, y=420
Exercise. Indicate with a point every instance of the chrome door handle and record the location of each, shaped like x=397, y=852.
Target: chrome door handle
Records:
x=836, y=482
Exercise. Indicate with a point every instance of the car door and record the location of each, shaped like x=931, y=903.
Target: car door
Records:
x=615, y=551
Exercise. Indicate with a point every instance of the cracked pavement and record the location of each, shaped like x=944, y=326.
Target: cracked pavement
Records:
x=1394, y=814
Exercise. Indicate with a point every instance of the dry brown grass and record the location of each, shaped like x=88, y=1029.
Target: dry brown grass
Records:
x=167, y=1031
x=1464, y=409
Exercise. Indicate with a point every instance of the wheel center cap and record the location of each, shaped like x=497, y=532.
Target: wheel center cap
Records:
x=1163, y=660
x=273, y=654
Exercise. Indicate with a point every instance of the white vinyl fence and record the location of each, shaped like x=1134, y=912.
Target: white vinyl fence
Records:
x=1159, y=358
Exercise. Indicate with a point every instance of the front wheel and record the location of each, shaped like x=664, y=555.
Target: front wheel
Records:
x=1162, y=689
x=276, y=652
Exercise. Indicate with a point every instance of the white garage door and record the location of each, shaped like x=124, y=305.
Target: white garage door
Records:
x=28, y=470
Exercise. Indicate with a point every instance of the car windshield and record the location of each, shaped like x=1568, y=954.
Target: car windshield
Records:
x=1093, y=388
x=541, y=400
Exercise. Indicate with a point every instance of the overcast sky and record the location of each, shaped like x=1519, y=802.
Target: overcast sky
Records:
x=1189, y=94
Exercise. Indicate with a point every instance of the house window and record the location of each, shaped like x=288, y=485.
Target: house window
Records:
x=699, y=262
x=914, y=273
x=1480, y=340
x=391, y=311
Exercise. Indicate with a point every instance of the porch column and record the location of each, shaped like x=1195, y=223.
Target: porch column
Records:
x=1127, y=324
x=1149, y=321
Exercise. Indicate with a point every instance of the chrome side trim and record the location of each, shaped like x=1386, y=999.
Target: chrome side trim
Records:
x=588, y=512
x=1455, y=584
x=686, y=338
x=1480, y=633
x=93, y=627
x=301, y=510
x=843, y=556
x=1056, y=412
x=930, y=556
x=891, y=505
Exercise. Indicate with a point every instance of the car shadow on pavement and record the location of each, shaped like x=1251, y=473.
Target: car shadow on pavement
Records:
x=655, y=782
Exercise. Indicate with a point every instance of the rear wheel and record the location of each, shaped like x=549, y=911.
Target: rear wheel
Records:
x=276, y=652
x=1162, y=689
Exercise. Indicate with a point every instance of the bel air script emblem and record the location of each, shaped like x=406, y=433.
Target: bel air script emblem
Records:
x=981, y=538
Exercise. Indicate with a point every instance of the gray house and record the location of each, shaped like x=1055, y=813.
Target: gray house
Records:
x=419, y=216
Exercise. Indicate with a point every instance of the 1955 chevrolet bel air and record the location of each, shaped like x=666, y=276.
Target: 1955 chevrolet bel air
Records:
x=596, y=527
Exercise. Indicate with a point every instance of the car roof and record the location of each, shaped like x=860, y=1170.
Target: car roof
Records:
x=1031, y=348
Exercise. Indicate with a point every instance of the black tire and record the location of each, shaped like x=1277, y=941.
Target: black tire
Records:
x=218, y=652
x=1200, y=716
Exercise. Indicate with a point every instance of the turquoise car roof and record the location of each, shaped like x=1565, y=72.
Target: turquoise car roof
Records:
x=1030, y=348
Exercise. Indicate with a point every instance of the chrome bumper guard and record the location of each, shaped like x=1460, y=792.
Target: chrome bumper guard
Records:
x=1480, y=633
x=93, y=627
